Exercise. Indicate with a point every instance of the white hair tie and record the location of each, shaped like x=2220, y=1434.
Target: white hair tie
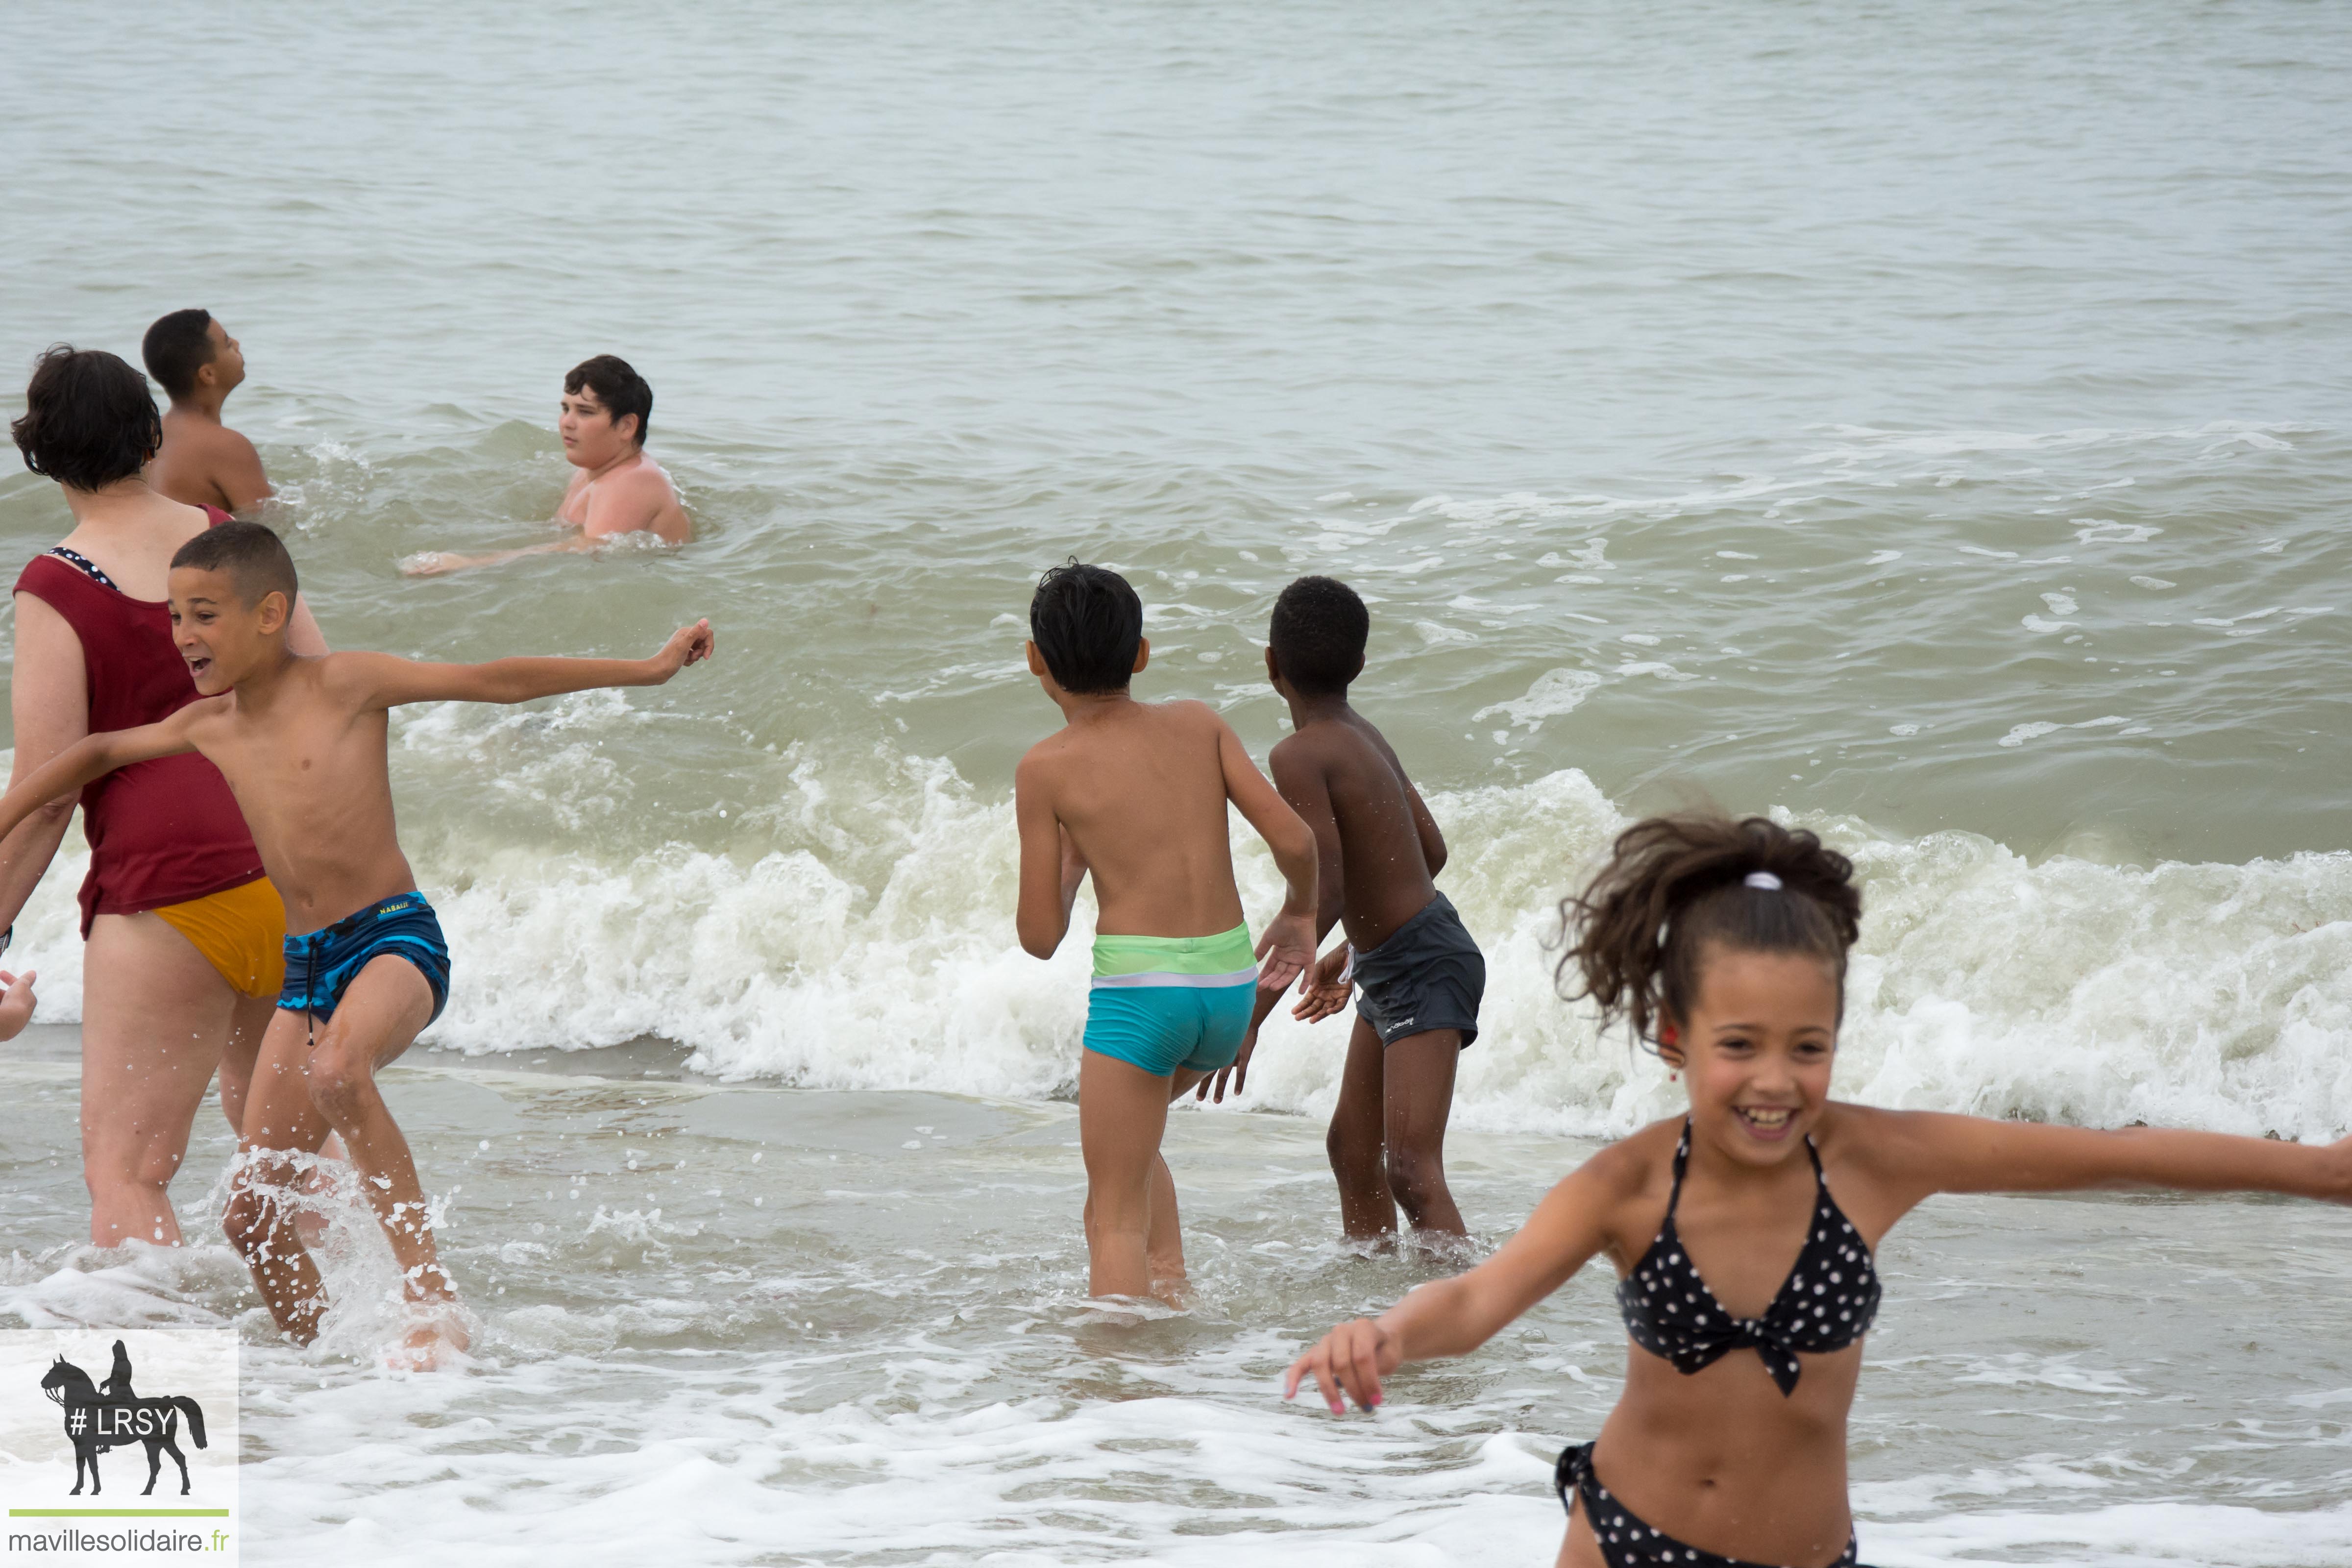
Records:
x=1764, y=880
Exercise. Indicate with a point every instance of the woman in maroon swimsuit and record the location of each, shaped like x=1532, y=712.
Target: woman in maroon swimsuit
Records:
x=184, y=930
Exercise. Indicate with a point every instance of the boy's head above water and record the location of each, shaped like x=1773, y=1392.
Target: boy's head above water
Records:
x=1085, y=630
x=232, y=591
x=606, y=407
x=1315, y=646
x=187, y=350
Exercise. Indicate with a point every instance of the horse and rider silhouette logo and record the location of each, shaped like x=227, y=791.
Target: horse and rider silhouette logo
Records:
x=111, y=1416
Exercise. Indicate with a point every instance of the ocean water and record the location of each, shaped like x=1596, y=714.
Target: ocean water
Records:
x=1931, y=425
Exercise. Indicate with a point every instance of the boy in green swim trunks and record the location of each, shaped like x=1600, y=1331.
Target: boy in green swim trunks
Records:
x=1135, y=794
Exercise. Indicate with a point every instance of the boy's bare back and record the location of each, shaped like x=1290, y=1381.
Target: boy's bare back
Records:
x=1141, y=790
x=205, y=463
x=1338, y=772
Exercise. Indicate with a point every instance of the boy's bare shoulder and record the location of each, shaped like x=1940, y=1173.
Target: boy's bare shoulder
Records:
x=350, y=674
x=1044, y=761
x=1298, y=754
x=1186, y=710
x=1329, y=740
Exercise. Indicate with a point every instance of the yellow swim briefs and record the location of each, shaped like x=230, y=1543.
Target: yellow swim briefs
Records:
x=241, y=934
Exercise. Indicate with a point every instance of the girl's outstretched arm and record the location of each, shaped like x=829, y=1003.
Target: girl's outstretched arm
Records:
x=1922, y=1153
x=1453, y=1316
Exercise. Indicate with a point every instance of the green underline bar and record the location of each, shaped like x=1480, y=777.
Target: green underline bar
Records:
x=117, y=1514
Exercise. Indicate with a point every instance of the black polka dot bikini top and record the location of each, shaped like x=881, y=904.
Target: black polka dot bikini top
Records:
x=1826, y=1304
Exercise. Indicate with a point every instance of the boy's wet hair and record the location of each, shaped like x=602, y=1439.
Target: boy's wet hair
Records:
x=1086, y=623
x=1319, y=634
x=89, y=419
x=176, y=347
x=1677, y=887
x=254, y=558
x=617, y=386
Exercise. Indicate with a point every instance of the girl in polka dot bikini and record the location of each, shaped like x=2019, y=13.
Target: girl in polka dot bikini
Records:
x=1725, y=943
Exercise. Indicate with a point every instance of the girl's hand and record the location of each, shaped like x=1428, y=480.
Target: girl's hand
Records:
x=16, y=1005
x=1351, y=1359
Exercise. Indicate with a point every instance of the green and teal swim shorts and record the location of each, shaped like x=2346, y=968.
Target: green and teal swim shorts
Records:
x=1168, y=1001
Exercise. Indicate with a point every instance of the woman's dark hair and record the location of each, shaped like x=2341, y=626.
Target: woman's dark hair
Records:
x=617, y=386
x=1675, y=886
x=1086, y=623
x=1318, y=635
x=89, y=419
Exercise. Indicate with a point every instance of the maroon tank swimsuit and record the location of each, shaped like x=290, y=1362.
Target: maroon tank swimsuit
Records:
x=160, y=832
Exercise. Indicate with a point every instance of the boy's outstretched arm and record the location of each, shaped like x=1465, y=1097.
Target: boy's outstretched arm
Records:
x=383, y=680
x=1287, y=945
x=441, y=563
x=93, y=757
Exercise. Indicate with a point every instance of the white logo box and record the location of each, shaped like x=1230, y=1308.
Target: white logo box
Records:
x=120, y=1521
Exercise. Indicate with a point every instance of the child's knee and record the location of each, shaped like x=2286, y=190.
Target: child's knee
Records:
x=1347, y=1146
x=1415, y=1176
x=1112, y=1212
x=342, y=1081
x=246, y=1218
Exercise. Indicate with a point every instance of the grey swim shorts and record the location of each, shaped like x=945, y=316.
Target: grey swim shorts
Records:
x=1428, y=975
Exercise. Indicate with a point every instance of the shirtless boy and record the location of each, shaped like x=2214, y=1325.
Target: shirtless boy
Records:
x=1420, y=975
x=202, y=462
x=302, y=742
x=1135, y=794
x=618, y=490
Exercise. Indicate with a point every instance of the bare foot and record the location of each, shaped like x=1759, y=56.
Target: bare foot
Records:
x=1172, y=1291
x=436, y=1335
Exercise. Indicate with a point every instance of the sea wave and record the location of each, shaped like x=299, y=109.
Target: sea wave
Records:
x=2197, y=995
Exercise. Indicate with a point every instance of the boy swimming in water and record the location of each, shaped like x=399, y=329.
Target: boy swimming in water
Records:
x=302, y=742
x=618, y=490
x=1418, y=974
x=1135, y=794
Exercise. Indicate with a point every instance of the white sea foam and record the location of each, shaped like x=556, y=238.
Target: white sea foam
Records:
x=1555, y=692
x=2212, y=995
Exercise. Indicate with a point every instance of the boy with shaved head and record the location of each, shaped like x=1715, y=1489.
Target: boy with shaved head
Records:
x=302, y=742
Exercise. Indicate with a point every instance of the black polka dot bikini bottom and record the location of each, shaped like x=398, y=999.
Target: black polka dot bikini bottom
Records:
x=1625, y=1540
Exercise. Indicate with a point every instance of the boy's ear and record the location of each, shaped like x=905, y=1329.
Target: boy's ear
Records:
x=1358, y=669
x=1273, y=666
x=1036, y=660
x=1142, y=654
x=272, y=612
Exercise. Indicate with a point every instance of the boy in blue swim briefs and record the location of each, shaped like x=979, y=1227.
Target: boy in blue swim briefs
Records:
x=1134, y=795
x=302, y=742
